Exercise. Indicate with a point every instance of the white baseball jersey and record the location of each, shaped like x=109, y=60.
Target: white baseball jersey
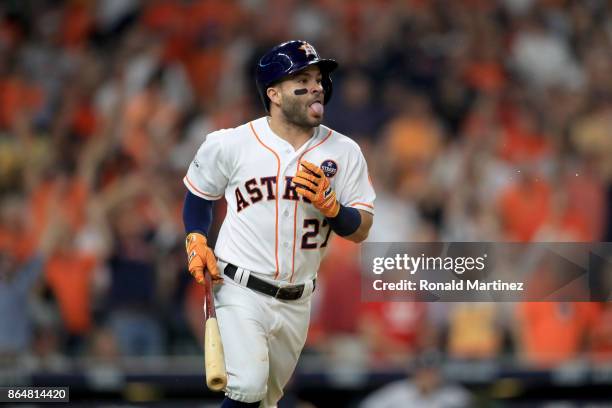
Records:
x=269, y=229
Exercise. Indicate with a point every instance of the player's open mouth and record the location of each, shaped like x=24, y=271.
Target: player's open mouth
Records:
x=317, y=108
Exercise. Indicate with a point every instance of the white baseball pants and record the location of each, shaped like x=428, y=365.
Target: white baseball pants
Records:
x=262, y=339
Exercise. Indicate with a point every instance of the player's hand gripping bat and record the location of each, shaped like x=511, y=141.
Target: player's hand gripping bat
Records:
x=214, y=357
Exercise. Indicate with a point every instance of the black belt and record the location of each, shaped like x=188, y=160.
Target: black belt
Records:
x=284, y=293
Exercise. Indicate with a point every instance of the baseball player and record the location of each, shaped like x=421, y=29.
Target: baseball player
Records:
x=289, y=182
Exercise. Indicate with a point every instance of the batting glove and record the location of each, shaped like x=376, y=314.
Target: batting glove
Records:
x=314, y=185
x=200, y=257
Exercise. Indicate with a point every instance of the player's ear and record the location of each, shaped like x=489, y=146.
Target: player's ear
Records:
x=274, y=94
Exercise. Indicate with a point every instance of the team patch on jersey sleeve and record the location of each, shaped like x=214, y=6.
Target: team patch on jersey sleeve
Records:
x=329, y=167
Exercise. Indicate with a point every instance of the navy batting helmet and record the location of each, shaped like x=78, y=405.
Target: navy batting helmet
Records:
x=287, y=59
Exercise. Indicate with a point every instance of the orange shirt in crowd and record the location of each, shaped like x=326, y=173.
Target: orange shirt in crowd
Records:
x=70, y=278
x=412, y=140
x=169, y=19
x=587, y=201
x=485, y=76
x=163, y=16
x=205, y=70
x=552, y=333
x=77, y=24
x=70, y=199
x=145, y=111
x=517, y=145
x=523, y=209
x=573, y=224
x=17, y=96
x=412, y=145
x=20, y=245
x=186, y=21
x=85, y=120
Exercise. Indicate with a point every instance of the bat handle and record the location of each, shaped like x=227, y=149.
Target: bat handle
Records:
x=209, y=309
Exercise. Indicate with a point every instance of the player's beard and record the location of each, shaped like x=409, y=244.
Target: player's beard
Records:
x=295, y=112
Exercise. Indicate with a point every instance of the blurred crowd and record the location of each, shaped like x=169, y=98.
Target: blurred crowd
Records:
x=480, y=121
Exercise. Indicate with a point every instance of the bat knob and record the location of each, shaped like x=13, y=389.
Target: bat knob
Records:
x=217, y=384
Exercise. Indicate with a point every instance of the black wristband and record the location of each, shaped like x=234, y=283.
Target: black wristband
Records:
x=346, y=222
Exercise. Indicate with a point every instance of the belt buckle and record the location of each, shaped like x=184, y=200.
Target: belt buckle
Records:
x=291, y=292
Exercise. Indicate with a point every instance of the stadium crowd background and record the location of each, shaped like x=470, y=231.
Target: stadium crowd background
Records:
x=480, y=120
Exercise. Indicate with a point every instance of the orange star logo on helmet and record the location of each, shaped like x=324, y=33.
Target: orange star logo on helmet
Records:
x=308, y=49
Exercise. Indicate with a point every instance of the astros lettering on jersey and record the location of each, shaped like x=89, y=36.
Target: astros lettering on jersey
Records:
x=269, y=229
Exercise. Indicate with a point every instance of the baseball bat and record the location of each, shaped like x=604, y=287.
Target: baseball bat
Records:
x=214, y=357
